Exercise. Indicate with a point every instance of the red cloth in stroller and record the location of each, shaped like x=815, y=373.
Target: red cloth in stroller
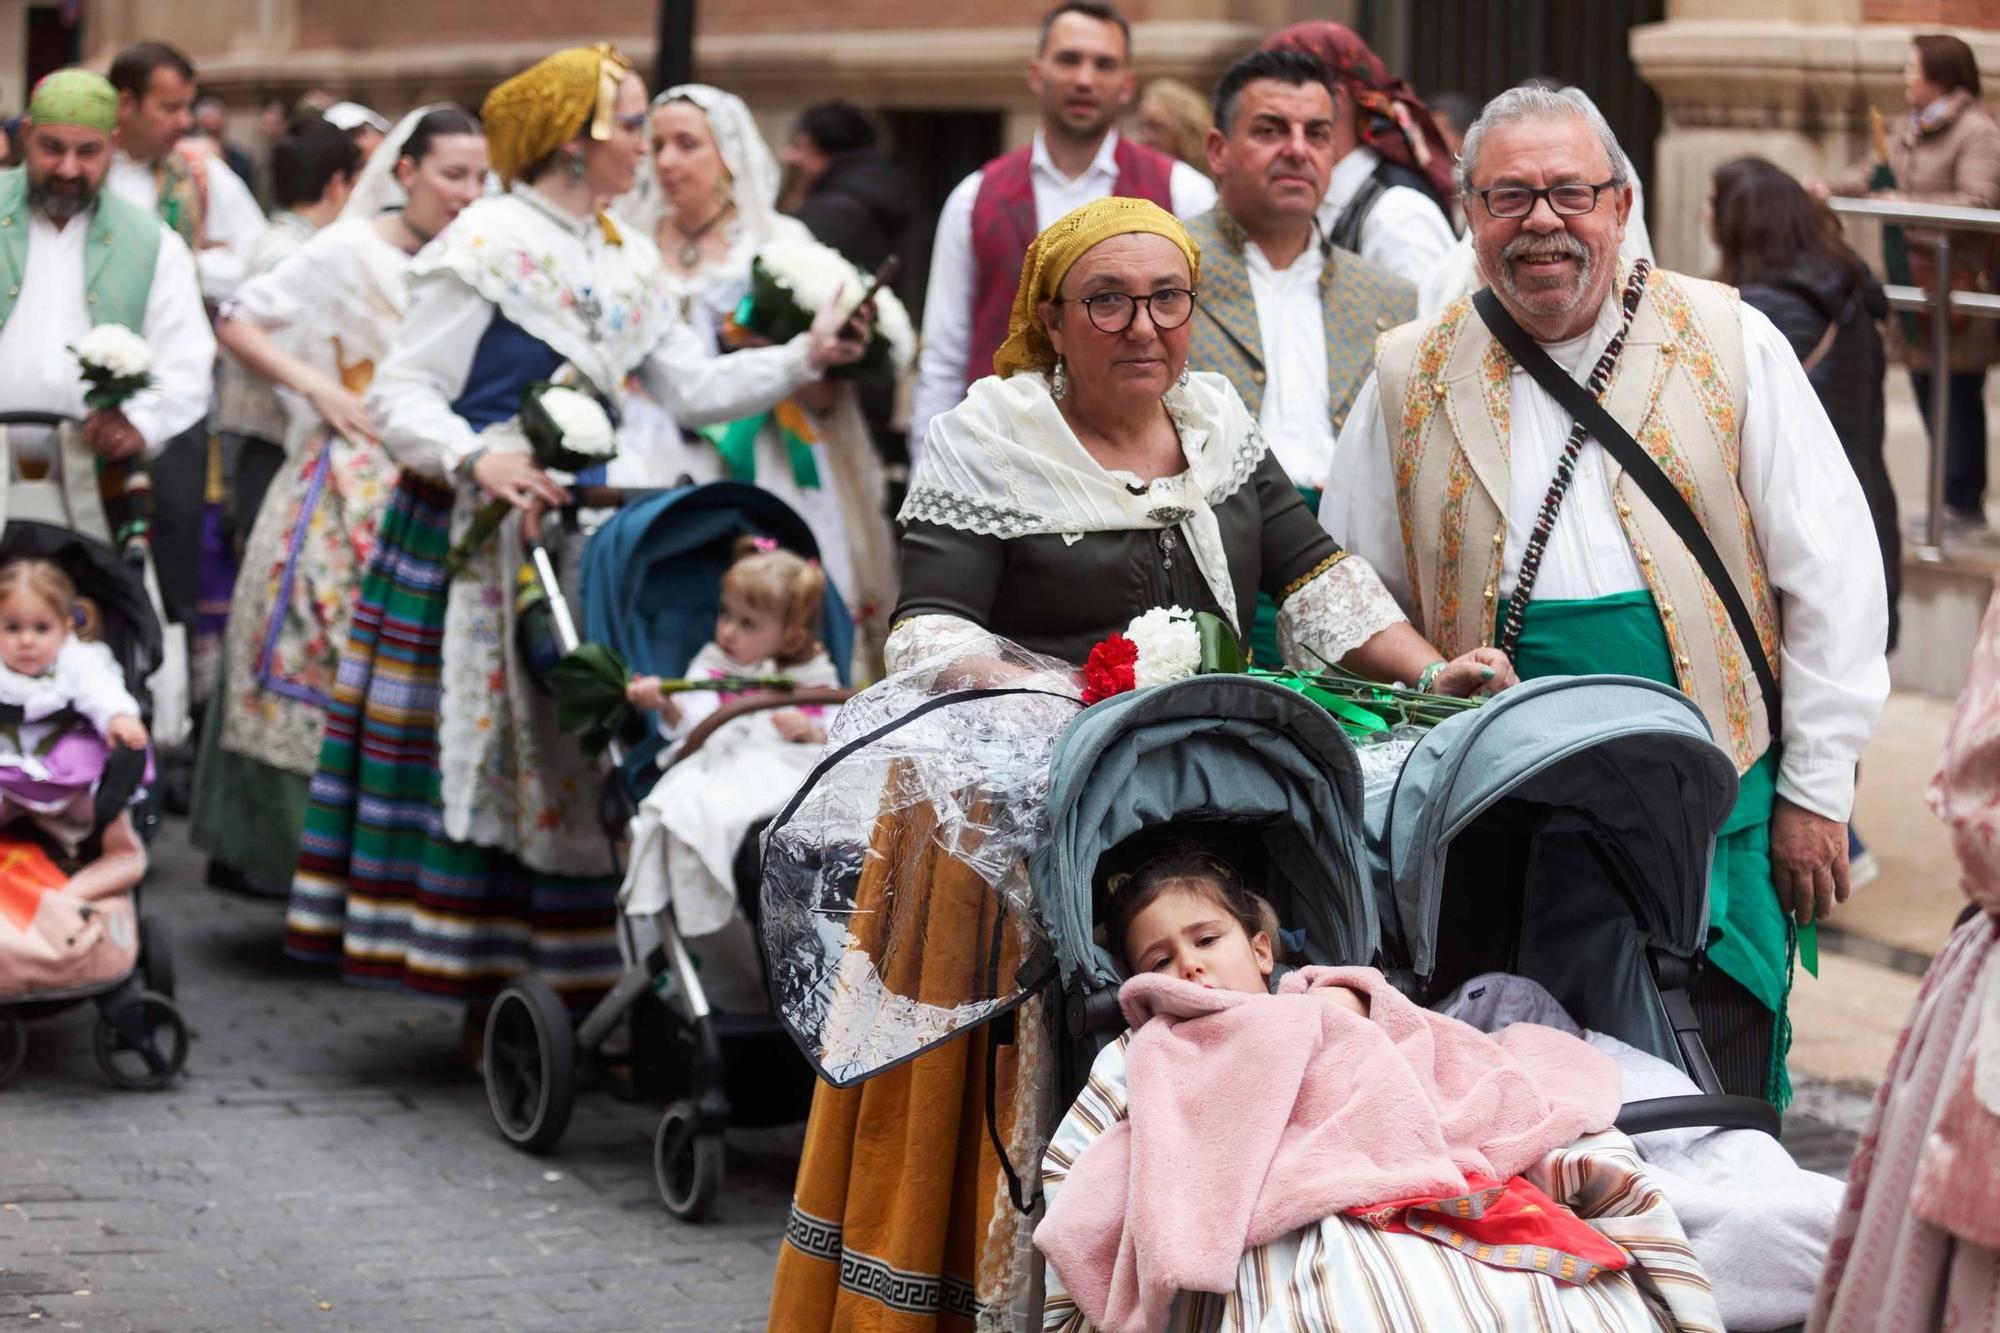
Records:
x=53, y=942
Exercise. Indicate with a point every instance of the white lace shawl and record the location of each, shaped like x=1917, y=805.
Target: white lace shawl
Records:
x=1005, y=464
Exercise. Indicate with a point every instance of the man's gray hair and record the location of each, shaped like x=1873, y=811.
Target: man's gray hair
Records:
x=1533, y=102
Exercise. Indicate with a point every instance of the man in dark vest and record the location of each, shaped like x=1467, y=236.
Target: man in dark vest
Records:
x=1082, y=76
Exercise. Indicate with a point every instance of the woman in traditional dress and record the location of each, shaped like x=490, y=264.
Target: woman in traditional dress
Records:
x=718, y=190
x=1091, y=480
x=452, y=838
x=1918, y=1240
x=316, y=324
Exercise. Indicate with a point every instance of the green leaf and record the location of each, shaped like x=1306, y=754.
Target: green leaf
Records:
x=1221, y=652
x=589, y=687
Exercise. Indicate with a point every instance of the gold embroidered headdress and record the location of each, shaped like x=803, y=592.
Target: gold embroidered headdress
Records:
x=1050, y=258
x=548, y=104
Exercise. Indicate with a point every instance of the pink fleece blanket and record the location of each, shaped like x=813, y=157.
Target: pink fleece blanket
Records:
x=1254, y=1115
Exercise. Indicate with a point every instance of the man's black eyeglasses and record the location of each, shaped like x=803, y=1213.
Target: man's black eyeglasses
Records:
x=1113, y=312
x=1517, y=201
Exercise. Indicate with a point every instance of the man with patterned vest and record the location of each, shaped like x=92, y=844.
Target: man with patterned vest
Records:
x=1495, y=520
x=73, y=256
x=1290, y=318
x=1082, y=75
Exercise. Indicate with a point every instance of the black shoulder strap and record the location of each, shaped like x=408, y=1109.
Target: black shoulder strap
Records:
x=1347, y=227
x=1645, y=473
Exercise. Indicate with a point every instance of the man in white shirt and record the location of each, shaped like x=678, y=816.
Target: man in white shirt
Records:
x=1383, y=203
x=194, y=193
x=1082, y=75
x=1289, y=318
x=1444, y=482
x=72, y=257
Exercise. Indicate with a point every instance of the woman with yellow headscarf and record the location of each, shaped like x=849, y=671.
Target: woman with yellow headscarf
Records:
x=452, y=838
x=1092, y=478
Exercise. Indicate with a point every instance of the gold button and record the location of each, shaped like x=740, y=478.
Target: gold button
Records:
x=1489, y=592
x=1645, y=557
x=1667, y=611
x=1685, y=664
x=1439, y=389
x=1381, y=322
x=1257, y=375
x=1624, y=510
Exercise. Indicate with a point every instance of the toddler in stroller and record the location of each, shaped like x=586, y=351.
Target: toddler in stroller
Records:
x=73, y=754
x=690, y=828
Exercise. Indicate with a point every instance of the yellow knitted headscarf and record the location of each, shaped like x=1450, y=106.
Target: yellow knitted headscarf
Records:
x=1050, y=258
x=548, y=104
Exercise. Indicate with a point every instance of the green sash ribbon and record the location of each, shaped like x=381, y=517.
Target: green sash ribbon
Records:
x=736, y=441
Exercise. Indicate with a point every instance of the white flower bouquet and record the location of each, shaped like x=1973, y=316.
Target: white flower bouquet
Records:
x=790, y=280
x=1165, y=644
x=116, y=364
x=568, y=430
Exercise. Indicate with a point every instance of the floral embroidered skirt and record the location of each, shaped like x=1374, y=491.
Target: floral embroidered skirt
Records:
x=378, y=886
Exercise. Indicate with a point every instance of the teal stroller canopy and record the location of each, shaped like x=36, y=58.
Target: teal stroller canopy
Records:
x=1562, y=831
x=1241, y=763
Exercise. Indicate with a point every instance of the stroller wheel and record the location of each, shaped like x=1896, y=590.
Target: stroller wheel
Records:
x=156, y=955
x=530, y=1065
x=687, y=1163
x=142, y=1043
x=13, y=1046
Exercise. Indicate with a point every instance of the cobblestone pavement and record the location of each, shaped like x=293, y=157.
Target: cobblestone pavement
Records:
x=326, y=1163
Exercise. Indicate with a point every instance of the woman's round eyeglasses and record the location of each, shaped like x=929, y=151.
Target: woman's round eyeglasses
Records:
x=1113, y=312
x=1517, y=201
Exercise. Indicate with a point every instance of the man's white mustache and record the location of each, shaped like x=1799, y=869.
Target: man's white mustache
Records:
x=1559, y=246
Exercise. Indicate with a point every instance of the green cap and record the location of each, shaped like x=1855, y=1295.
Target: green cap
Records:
x=75, y=97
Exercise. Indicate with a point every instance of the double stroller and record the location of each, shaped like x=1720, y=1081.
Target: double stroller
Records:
x=58, y=949
x=649, y=579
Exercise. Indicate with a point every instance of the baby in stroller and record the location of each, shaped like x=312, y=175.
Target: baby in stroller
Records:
x=689, y=829
x=66, y=720
x=1332, y=1155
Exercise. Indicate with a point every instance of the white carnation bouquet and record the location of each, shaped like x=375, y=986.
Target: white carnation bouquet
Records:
x=116, y=364
x=568, y=430
x=1165, y=644
x=791, y=280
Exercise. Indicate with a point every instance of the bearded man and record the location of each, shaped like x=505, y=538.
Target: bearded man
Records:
x=73, y=256
x=1496, y=520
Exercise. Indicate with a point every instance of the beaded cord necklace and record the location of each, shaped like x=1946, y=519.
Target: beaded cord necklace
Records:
x=1545, y=521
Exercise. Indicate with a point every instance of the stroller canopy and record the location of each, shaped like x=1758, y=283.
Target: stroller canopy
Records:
x=651, y=574
x=117, y=588
x=1250, y=767
x=1586, y=807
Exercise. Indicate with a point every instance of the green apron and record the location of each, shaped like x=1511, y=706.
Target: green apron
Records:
x=1622, y=635
x=1264, y=629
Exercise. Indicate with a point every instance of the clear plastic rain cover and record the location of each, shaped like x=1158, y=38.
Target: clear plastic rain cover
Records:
x=897, y=910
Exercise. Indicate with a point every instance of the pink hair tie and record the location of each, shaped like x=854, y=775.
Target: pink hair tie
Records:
x=766, y=545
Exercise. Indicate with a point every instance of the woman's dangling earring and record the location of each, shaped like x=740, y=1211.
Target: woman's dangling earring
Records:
x=575, y=168
x=1059, y=382
x=1182, y=382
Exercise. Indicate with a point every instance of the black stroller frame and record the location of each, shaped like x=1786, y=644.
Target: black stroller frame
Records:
x=535, y=1056
x=141, y=1038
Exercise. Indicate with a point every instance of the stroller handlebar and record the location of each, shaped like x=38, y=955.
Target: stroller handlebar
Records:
x=1698, y=1112
x=38, y=419
x=762, y=701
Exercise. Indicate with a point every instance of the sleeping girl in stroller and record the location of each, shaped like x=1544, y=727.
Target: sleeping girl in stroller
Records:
x=688, y=831
x=1331, y=1155
x=66, y=718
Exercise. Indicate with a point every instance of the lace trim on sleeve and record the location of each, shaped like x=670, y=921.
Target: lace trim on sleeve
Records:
x=1340, y=607
x=916, y=638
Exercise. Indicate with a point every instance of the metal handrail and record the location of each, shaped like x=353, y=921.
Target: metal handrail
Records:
x=1941, y=301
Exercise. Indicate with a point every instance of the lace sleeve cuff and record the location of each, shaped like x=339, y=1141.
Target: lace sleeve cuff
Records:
x=1339, y=608
x=915, y=638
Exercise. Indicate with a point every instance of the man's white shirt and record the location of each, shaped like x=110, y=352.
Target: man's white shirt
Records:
x=1291, y=324
x=948, y=300
x=1405, y=232
x=50, y=317
x=1806, y=509
x=231, y=221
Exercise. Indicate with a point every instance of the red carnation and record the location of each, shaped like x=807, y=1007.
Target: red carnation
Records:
x=1108, y=670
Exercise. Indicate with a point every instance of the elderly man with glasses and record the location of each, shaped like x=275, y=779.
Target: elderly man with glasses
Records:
x=1698, y=526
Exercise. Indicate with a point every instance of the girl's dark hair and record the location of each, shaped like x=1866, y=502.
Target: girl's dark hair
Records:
x=1189, y=867
x=435, y=125
x=1947, y=61
x=1768, y=227
x=307, y=158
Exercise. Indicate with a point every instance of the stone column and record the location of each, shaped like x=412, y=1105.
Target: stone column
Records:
x=1793, y=84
